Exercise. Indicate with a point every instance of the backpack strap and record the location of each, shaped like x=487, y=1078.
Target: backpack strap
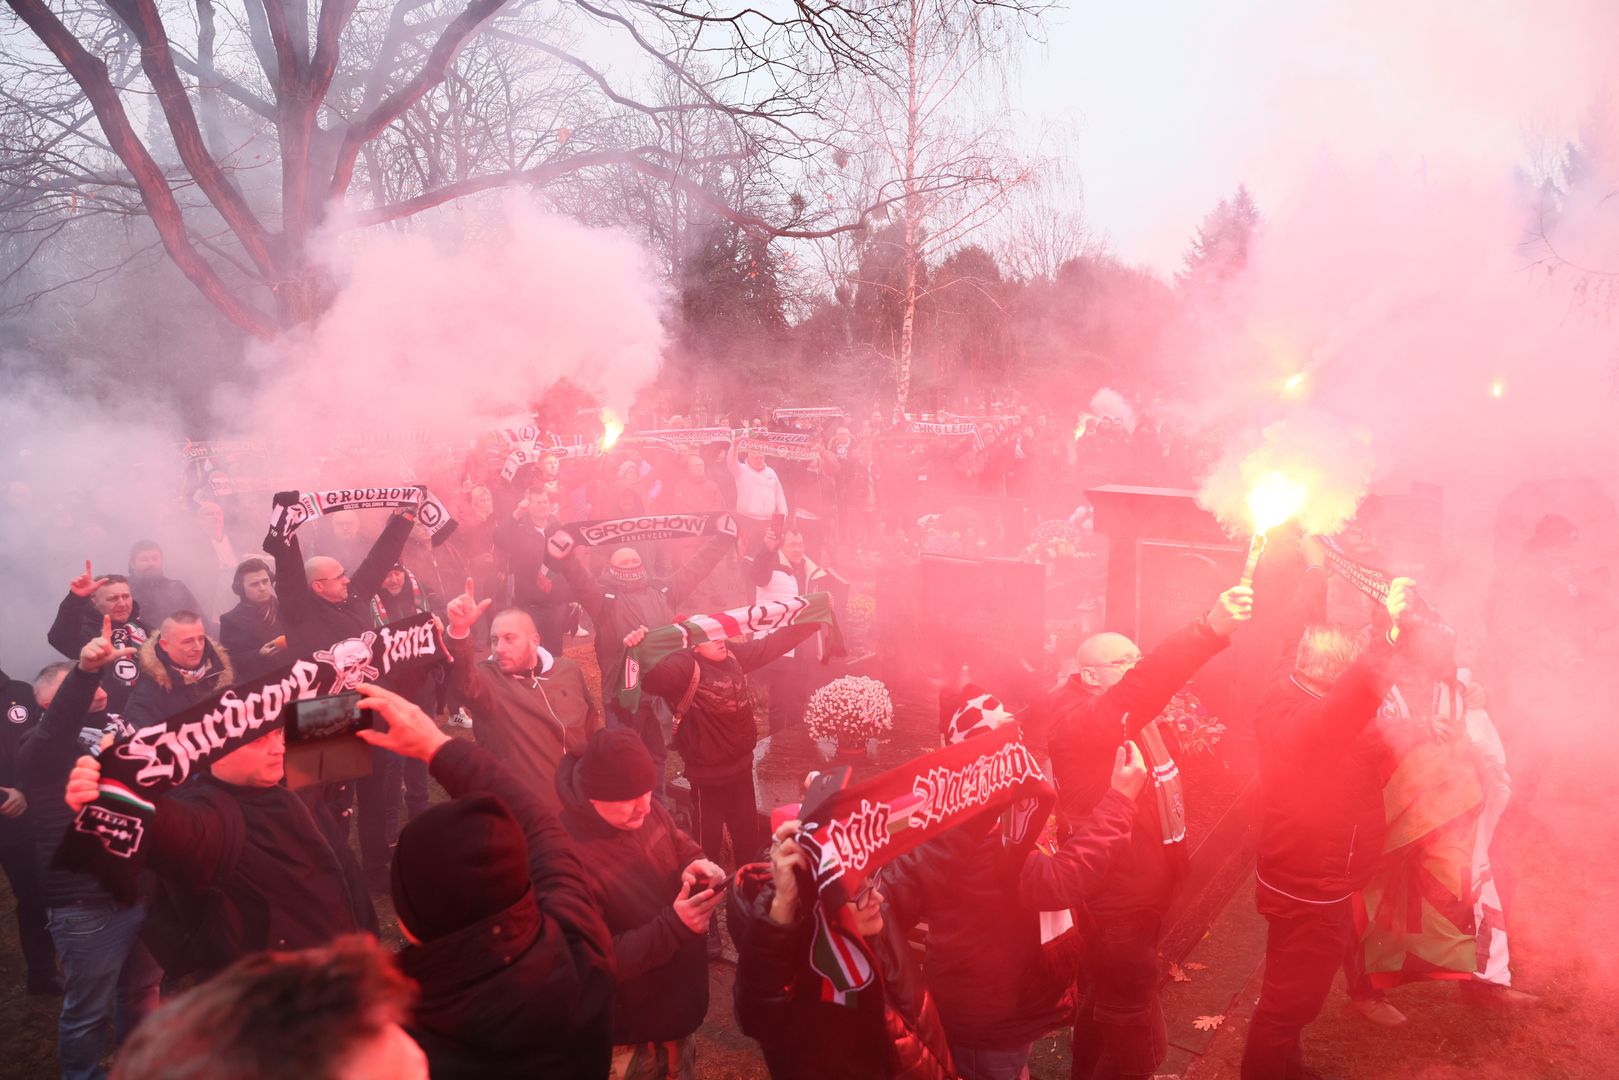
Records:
x=687, y=698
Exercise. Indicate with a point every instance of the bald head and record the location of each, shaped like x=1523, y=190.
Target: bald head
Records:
x=515, y=641
x=327, y=578
x=1103, y=659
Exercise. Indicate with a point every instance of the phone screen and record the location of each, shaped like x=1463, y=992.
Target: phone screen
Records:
x=321, y=745
x=326, y=717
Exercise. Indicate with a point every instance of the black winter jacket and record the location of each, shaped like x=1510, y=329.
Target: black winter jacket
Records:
x=18, y=716
x=246, y=869
x=78, y=622
x=890, y=1031
x=44, y=759
x=527, y=992
x=717, y=731
x=662, y=991
x=615, y=610
x=524, y=545
x=159, y=597
x=1084, y=729
x=247, y=628
x=313, y=623
x=162, y=690
x=996, y=984
x=1321, y=817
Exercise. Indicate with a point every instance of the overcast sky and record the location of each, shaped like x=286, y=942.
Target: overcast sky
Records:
x=1169, y=105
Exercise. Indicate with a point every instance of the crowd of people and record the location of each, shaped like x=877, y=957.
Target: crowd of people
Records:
x=562, y=889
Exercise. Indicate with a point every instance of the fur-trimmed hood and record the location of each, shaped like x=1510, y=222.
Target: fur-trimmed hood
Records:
x=156, y=665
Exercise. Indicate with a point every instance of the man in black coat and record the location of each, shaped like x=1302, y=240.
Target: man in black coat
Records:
x=535, y=589
x=245, y=864
x=1321, y=824
x=707, y=687
x=515, y=963
x=251, y=631
x=658, y=896
x=320, y=603
x=78, y=621
x=18, y=716
x=179, y=667
x=106, y=971
x=159, y=596
x=1115, y=693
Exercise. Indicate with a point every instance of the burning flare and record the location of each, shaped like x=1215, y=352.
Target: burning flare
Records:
x=612, y=428
x=1274, y=499
x=1271, y=501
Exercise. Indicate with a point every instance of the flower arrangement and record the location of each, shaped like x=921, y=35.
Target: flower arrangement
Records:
x=1053, y=540
x=1199, y=732
x=850, y=709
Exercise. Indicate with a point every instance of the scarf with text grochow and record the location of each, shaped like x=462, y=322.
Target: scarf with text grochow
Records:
x=719, y=626
x=291, y=509
x=636, y=529
x=862, y=828
x=139, y=768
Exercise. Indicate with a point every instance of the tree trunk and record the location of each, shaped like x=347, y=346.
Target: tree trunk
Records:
x=907, y=329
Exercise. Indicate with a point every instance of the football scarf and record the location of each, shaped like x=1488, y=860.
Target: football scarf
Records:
x=1166, y=782
x=289, y=510
x=738, y=622
x=1374, y=584
x=862, y=828
x=560, y=541
x=141, y=766
x=772, y=444
x=793, y=416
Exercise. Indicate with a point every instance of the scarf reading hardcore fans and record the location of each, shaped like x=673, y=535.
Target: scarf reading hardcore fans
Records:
x=738, y=622
x=107, y=834
x=867, y=825
x=291, y=509
x=635, y=529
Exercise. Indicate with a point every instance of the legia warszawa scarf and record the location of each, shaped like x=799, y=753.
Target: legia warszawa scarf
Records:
x=738, y=622
x=290, y=510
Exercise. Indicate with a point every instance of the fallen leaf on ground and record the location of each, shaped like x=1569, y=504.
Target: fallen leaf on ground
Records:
x=1208, y=1023
x=1177, y=975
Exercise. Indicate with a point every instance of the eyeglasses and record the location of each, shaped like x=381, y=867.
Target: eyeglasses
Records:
x=859, y=898
x=1123, y=663
x=334, y=577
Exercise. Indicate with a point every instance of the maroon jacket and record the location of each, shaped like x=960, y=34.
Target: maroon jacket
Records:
x=1084, y=729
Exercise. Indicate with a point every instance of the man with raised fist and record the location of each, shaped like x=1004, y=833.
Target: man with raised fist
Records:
x=529, y=708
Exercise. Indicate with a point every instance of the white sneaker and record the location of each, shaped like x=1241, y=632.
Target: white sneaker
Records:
x=459, y=719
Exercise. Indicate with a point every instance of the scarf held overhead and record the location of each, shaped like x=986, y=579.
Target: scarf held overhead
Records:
x=290, y=510
x=636, y=529
x=738, y=622
x=140, y=768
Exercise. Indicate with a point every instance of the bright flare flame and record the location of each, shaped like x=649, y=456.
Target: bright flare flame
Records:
x=1497, y=388
x=612, y=428
x=1294, y=383
x=1274, y=499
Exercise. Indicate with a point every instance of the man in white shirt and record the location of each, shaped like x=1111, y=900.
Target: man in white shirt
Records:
x=759, y=497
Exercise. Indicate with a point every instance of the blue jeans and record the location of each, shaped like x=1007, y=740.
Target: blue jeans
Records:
x=104, y=967
x=992, y=1064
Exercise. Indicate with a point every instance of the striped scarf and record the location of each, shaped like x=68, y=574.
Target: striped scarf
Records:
x=1166, y=782
x=696, y=629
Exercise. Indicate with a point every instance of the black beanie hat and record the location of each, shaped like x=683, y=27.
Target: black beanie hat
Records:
x=458, y=863
x=616, y=767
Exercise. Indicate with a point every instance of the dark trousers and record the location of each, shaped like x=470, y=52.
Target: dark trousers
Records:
x=17, y=860
x=377, y=800
x=1304, y=948
x=727, y=804
x=1119, y=1033
x=644, y=722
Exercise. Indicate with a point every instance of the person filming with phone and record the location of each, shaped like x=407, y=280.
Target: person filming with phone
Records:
x=244, y=864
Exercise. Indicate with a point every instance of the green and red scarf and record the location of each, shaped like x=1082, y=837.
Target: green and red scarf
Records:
x=696, y=629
